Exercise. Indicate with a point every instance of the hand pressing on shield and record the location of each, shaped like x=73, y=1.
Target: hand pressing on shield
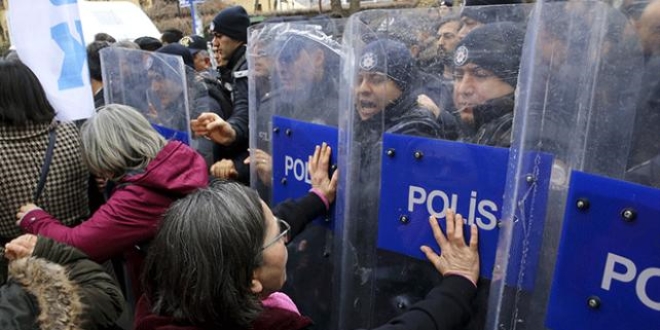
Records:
x=456, y=257
x=319, y=166
x=210, y=125
x=264, y=165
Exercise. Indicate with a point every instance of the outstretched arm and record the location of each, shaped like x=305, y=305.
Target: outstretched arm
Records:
x=101, y=298
x=447, y=306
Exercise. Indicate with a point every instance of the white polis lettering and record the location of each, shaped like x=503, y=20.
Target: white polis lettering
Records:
x=627, y=273
x=298, y=167
x=437, y=202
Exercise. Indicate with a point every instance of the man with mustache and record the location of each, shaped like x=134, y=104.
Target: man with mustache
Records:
x=486, y=65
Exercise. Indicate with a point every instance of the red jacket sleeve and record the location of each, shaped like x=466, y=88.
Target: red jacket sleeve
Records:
x=117, y=226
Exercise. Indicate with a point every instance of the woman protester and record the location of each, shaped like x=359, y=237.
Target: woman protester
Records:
x=52, y=286
x=150, y=173
x=219, y=260
x=40, y=157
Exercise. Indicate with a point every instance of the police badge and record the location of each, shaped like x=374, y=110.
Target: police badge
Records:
x=368, y=61
x=461, y=56
x=186, y=41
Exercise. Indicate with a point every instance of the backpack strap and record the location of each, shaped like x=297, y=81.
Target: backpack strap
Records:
x=52, y=136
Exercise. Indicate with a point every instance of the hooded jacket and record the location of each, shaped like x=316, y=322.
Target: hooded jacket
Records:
x=132, y=213
x=56, y=289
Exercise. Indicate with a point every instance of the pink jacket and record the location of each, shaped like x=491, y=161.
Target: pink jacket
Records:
x=132, y=214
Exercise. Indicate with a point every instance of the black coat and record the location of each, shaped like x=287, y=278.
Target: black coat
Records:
x=58, y=281
x=493, y=122
x=234, y=81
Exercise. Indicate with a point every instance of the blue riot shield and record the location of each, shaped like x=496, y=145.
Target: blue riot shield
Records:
x=590, y=255
x=428, y=129
x=153, y=83
x=294, y=69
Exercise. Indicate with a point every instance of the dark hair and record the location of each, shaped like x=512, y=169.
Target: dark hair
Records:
x=448, y=19
x=22, y=98
x=94, y=59
x=102, y=36
x=200, y=266
x=148, y=43
x=171, y=36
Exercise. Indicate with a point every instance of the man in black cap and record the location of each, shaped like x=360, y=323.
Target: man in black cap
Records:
x=231, y=134
x=199, y=51
x=479, y=12
x=148, y=43
x=486, y=65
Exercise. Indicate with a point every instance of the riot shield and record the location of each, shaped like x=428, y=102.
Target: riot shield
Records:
x=294, y=103
x=153, y=83
x=409, y=149
x=589, y=260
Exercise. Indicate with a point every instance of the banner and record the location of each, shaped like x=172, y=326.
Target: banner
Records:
x=48, y=38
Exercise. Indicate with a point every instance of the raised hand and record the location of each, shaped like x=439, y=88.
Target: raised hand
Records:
x=457, y=257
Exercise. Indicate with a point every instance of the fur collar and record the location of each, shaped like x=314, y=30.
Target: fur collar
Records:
x=58, y=298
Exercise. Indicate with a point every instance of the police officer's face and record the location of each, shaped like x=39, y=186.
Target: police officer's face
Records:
x=469, y=24
x=262, y=62
x=201, y=61
x=473, y=86
x=224, y=46
x=374, y=92
x=167, y=90
x=649, y=29
x=299, y=70
x=448, y=39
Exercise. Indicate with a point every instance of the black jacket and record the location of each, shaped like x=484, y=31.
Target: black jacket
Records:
x=234, y=81
x=56, y=288
x=234, y=78
x=493, y=122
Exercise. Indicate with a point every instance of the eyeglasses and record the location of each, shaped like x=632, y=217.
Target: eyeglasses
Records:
x=284, y=231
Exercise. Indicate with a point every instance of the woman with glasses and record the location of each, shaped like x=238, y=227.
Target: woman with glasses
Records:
x=220, y=257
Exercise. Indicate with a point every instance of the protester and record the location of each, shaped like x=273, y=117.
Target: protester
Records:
x=224, y=269
x=52, y=286
x=150, y=173
x=27, y=125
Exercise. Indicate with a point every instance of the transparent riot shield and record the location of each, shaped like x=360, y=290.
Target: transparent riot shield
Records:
x=591, y=256
x=153, y=83
x=416, y=142
x=294, y=104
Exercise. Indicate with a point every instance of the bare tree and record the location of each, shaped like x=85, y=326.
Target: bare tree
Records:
x=354, y=6
x=335, y=7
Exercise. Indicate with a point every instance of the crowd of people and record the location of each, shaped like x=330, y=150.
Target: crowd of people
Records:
x=107, y=217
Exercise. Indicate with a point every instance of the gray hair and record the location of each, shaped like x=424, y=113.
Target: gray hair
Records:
x=117, y=140
x=126, y=44
x=200, y=265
